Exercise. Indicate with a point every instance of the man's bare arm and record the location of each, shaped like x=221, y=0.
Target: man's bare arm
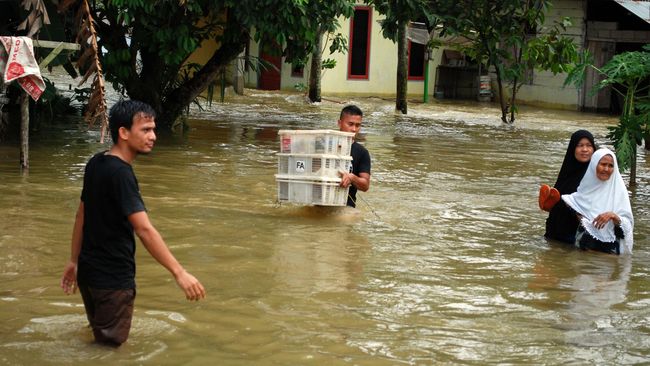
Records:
x=156, y=246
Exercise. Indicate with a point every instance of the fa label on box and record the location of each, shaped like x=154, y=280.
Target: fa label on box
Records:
x=300, y=166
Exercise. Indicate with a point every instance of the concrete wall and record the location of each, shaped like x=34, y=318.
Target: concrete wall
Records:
x=251, y=75
x=546, y=88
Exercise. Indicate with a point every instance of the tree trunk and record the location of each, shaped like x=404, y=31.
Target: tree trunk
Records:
x=402, y=68
x=141, y=87
x=502, y=101
x=519, y=52
x=181, y=97
x=4, y=120
x=316, y=66
x=512, y=101
x=633, y=169
x=152, y=85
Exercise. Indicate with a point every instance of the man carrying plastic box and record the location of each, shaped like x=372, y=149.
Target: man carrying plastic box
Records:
x=359, y=177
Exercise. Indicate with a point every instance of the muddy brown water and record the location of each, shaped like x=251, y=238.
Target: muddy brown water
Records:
x=443, y=263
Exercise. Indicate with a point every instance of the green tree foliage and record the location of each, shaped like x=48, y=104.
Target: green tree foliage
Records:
x=399, y=13
x=628, y=74
x=147, y=43
x=509, y=36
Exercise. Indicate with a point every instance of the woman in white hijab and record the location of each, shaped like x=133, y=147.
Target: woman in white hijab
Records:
x=603, y=207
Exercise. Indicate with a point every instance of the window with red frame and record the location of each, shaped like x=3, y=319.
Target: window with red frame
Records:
x=416, y=61
x=297, y=70
x=359, y=50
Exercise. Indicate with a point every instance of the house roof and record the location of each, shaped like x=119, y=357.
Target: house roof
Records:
x=640, y=8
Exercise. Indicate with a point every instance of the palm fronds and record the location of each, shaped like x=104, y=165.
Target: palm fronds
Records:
x=36, y=18
x=89, y=64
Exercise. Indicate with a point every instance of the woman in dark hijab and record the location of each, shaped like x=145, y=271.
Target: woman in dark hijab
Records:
x=562, y=222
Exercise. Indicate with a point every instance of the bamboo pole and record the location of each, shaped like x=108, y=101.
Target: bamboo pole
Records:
x=24, y=131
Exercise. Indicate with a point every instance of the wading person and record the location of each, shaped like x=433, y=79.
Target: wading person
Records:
x=603, y=207
x=359, y=177
x=561, y=224
x=102, y=262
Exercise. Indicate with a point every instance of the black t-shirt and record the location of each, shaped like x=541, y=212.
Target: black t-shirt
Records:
x=360, y=164
x=110, y=194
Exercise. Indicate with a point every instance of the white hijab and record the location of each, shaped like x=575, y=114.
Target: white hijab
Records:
x=595, y=196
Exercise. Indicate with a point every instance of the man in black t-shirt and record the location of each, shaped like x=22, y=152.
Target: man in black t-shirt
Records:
x=102, y=260
x=359, y=177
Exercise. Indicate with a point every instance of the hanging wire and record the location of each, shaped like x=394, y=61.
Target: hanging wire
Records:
x=367, y=204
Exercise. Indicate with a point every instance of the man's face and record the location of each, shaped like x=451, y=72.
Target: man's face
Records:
x=350, y=123
x=142, y=135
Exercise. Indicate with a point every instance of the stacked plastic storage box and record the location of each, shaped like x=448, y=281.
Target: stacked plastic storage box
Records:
x=309, y=163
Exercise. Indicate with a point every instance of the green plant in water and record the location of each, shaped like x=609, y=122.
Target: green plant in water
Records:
x=300, y=87
x=53, y=104
x=628, y=74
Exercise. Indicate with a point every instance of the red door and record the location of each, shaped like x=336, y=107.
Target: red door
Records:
x=270, y=75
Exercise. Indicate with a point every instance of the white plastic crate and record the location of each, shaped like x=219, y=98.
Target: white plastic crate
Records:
x=313, y=165
x=315, y=142
x=314, y=191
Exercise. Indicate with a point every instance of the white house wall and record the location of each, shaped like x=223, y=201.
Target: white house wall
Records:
x=250, y=76
x=547, y=89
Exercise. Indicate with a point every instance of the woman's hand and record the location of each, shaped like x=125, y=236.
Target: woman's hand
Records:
x=601, y=220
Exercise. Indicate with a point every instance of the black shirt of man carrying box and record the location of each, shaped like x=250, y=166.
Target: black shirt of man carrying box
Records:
x=359, y=178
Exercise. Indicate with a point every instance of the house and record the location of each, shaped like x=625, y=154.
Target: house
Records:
x=368, y=68
x=604, y=27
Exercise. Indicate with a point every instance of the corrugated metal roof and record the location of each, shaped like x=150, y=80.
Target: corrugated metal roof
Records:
x=639, y=8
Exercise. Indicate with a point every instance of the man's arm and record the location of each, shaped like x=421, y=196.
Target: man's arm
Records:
x=69, y=279
x=154, y=243
x=361, y=182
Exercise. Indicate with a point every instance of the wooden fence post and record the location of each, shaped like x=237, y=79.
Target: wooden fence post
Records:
x=24, y=131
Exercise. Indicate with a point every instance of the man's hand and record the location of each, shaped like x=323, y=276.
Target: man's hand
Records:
x=361, y=182
x=346, y=179
x=69, y=279
x=190, y=285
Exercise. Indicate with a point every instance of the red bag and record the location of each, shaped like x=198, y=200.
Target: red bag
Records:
x=548, y=197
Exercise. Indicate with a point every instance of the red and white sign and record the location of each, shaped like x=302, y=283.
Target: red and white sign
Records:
x=17, y=62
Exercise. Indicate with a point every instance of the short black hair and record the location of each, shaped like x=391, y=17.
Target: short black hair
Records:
x=122, y=113
x=351, y=110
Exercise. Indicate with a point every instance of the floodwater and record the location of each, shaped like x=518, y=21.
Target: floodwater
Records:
x=443, y=262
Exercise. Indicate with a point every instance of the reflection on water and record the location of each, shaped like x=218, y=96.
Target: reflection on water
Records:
x=443, y=262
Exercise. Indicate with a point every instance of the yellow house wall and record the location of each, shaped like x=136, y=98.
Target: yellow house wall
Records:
x=382, y=80
x=545, y=90
x=204, y=52
x=382, y=66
